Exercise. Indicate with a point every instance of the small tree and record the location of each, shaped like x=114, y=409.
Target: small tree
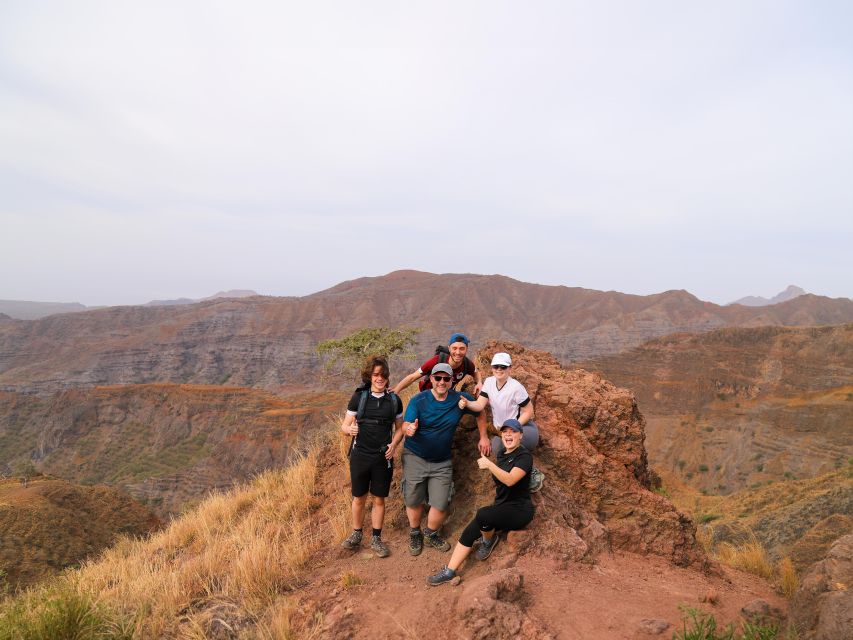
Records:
x=348, y=354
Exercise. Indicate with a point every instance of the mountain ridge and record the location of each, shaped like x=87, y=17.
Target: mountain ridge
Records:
x=269, y=342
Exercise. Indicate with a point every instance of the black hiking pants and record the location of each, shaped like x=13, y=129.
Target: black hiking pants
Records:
x=506, y=517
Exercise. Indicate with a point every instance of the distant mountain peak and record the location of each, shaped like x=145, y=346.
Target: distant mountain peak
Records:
x=231, y=293
x=791, y=292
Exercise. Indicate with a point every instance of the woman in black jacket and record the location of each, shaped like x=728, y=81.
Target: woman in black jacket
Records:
x=511, y=510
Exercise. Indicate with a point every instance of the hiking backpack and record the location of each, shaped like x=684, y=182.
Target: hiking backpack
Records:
x=443, y=354
x=362, y=405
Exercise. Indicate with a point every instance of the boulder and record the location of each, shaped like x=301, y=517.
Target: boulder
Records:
x=822, y=608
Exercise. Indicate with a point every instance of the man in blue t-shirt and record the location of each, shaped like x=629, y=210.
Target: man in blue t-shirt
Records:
x=429, y=426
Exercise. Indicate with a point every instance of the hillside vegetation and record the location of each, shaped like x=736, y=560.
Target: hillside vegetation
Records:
x=795, y=519
x=49, y=525
x=167, y=445
x=740, y=407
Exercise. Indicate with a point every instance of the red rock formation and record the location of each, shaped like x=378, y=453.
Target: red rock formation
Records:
x=597, y=478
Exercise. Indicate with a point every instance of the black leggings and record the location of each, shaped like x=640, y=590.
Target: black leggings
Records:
x=506, y=517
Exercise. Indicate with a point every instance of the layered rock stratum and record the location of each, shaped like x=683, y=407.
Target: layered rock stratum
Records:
x=167, y=445
x=270, y=342
x=735, y=407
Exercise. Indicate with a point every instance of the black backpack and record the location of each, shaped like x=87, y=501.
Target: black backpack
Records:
x=362, y=402
x=364, y=389
x=443, y=354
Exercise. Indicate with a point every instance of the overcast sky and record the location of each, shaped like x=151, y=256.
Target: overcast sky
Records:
x=167, y=149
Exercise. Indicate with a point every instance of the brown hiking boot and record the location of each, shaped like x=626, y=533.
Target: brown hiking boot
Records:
x=379, y=547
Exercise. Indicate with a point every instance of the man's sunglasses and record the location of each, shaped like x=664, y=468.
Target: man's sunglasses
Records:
x=441, y=378
x=499, y=366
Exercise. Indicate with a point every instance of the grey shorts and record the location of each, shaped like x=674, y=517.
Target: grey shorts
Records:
x=422, y=479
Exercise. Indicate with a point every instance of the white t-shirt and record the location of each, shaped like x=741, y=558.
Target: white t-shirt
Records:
x=506, y=402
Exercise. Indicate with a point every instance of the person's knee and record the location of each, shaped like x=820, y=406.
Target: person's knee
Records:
x=530, y=436
x=378, y=501
x=360, y=499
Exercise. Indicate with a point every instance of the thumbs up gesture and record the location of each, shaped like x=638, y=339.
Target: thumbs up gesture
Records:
x=412, y=428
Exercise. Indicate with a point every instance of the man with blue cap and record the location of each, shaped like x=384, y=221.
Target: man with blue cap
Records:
x=455, y=355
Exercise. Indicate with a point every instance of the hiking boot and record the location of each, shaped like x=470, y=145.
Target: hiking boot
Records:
x=445, y=575
x=354, y=540
x=536, y=480
x=416, y=543
x=486, y=547
x=436, y=541
x=379, y=547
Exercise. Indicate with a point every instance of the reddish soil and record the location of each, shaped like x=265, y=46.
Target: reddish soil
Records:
x=604, y=600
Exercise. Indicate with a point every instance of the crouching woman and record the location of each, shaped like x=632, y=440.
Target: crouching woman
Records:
x=511, y=510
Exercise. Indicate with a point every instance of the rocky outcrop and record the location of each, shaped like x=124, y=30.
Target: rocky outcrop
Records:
x=822, y=608
x=493, y=607
x=598, y=485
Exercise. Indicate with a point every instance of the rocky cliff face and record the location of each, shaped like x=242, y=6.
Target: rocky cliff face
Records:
x=269, y=342
x=598, y=491
x=167, y=445
x=735, y=407
x=822, y=608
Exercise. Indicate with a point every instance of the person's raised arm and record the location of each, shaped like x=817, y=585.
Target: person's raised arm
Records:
x=479, y=386
x=473, y=405
x=405, y=382
x=508, y=478
x=526, y=414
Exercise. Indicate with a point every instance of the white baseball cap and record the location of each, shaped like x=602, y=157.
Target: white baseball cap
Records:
x=502, y=358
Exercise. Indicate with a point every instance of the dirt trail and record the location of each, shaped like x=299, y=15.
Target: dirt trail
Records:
x=572, y=601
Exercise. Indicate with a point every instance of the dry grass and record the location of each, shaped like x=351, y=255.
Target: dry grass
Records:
x=750, y=557
x=231, y=563
x=350, y=579
x=705, y=537
x=788, y=578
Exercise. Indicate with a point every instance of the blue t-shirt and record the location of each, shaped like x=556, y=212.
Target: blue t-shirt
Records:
x=437, y=422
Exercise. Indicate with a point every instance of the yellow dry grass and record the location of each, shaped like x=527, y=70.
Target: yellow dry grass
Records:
x=788, y=578
x=749, y=556
x=350, y=579
x=234, y=560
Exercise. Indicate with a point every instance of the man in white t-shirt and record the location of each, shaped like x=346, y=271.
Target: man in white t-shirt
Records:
x=509, y=400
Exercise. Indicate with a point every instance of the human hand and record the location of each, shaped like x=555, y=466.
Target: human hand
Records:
x=389, y=452
x=353, y=429
x=412, y=427
x=484, y=446
x=463, y=402
x=483, y=462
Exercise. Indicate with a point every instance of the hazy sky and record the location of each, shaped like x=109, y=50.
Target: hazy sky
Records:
x=167, y=149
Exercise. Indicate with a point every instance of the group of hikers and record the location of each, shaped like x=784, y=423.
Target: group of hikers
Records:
x=376, y=421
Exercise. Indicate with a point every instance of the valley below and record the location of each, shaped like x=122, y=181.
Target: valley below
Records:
x=734, y=423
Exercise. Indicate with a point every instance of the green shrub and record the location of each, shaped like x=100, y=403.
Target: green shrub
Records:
x=703, y=468
x=59, y=612
x=705, y=518
x=698, y=625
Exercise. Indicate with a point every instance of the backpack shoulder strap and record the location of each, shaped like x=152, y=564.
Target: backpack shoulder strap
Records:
x=362, y=403
x=470, y=368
